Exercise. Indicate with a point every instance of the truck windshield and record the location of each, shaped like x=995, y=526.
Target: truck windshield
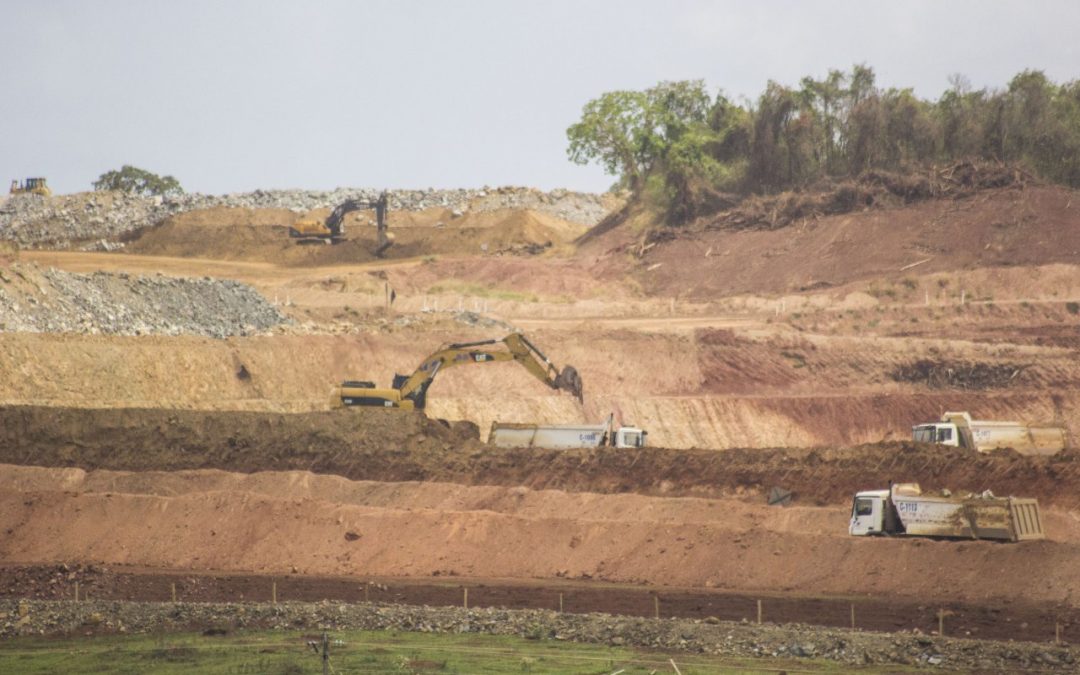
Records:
x=864, y=507
x=923, y=435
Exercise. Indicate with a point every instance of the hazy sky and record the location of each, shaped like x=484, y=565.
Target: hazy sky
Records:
x=239, y=95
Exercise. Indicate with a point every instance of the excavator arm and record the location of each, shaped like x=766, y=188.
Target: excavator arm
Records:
x=331, y=230
x=410, y=391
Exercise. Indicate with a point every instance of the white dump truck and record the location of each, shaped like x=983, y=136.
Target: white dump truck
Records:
x=559, y=436
x=959, y=430
x=904, y=510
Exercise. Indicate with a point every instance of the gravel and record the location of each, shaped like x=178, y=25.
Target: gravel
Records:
x=102, y=220
x=708, y=636
x=54, y=301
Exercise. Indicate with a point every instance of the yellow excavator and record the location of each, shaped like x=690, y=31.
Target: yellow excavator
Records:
x=35, y=186
x=332, y=230
x=409, y=392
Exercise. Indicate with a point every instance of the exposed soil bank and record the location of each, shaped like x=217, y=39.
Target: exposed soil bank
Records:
x=387, y=445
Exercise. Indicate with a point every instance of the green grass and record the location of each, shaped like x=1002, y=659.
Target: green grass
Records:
x=286, y=653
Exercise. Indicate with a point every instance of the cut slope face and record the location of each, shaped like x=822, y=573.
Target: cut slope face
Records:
x=706, y=388
x=999, y=227
x=297, y=522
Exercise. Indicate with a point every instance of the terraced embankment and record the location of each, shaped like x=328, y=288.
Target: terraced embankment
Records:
x=390, y=446
x=398, y=495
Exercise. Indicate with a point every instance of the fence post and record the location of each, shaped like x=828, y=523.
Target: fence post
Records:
x=172, y=586
x=853, y=616
x=656, y=605
x=76, y=591
x=273, y=592
x=560, y=604
x=1057, y=632
x=759, y=611
x=466, y=598
x=941, y=623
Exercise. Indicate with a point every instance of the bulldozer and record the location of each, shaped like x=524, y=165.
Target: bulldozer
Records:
x=332, y=230
x=34, y=186
x=409, y=392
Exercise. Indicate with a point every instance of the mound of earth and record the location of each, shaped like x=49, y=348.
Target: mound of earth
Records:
x=103, y=220
x=262, y=235
x=390, y=445
x=1017, y=225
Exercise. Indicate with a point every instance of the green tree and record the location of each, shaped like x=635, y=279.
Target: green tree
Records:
x=610, y=133
x=961, y=114
x=686, y=153
x=631, y=132
x=826, y=97
x=138, y=181
x=770, y=165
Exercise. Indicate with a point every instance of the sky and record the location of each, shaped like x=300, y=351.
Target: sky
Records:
x=231, y=96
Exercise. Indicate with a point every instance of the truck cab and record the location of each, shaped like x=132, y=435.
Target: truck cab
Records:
x=868, y=513
x=630, y=437
x=942, y=433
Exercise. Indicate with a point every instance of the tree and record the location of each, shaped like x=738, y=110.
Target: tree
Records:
x=769, y=168
x=610, y=132
x=686, y=154
x=631, y=132
x=138, y=181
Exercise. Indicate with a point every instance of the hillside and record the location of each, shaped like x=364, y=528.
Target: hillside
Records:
x=793, y=351
x=1021, y=226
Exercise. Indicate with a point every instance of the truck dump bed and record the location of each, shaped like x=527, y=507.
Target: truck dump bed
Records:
x=1007, y=519
x=986, y=435
x=555, y=437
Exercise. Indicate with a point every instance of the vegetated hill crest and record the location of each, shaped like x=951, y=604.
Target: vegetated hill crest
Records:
x=881, y=226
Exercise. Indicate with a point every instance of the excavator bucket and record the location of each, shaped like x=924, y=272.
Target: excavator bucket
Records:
x=569, y=380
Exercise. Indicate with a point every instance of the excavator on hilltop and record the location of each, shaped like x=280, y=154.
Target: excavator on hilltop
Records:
x=409, y=392
x=332, y=230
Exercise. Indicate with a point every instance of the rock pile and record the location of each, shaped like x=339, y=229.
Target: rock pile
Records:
x=35, y=300
x=99, y=220
x=708, y=636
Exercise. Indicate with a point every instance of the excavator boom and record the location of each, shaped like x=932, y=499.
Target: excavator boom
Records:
x=332, y=230
x=410, y=391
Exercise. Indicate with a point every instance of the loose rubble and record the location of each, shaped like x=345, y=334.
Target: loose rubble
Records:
x=101, y=220
x=708, y=636
x=54, y=301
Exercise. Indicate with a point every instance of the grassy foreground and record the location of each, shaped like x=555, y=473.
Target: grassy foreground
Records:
x=287, y=653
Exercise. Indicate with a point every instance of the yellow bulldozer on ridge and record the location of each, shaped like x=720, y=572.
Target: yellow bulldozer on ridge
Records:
x=35, y=186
